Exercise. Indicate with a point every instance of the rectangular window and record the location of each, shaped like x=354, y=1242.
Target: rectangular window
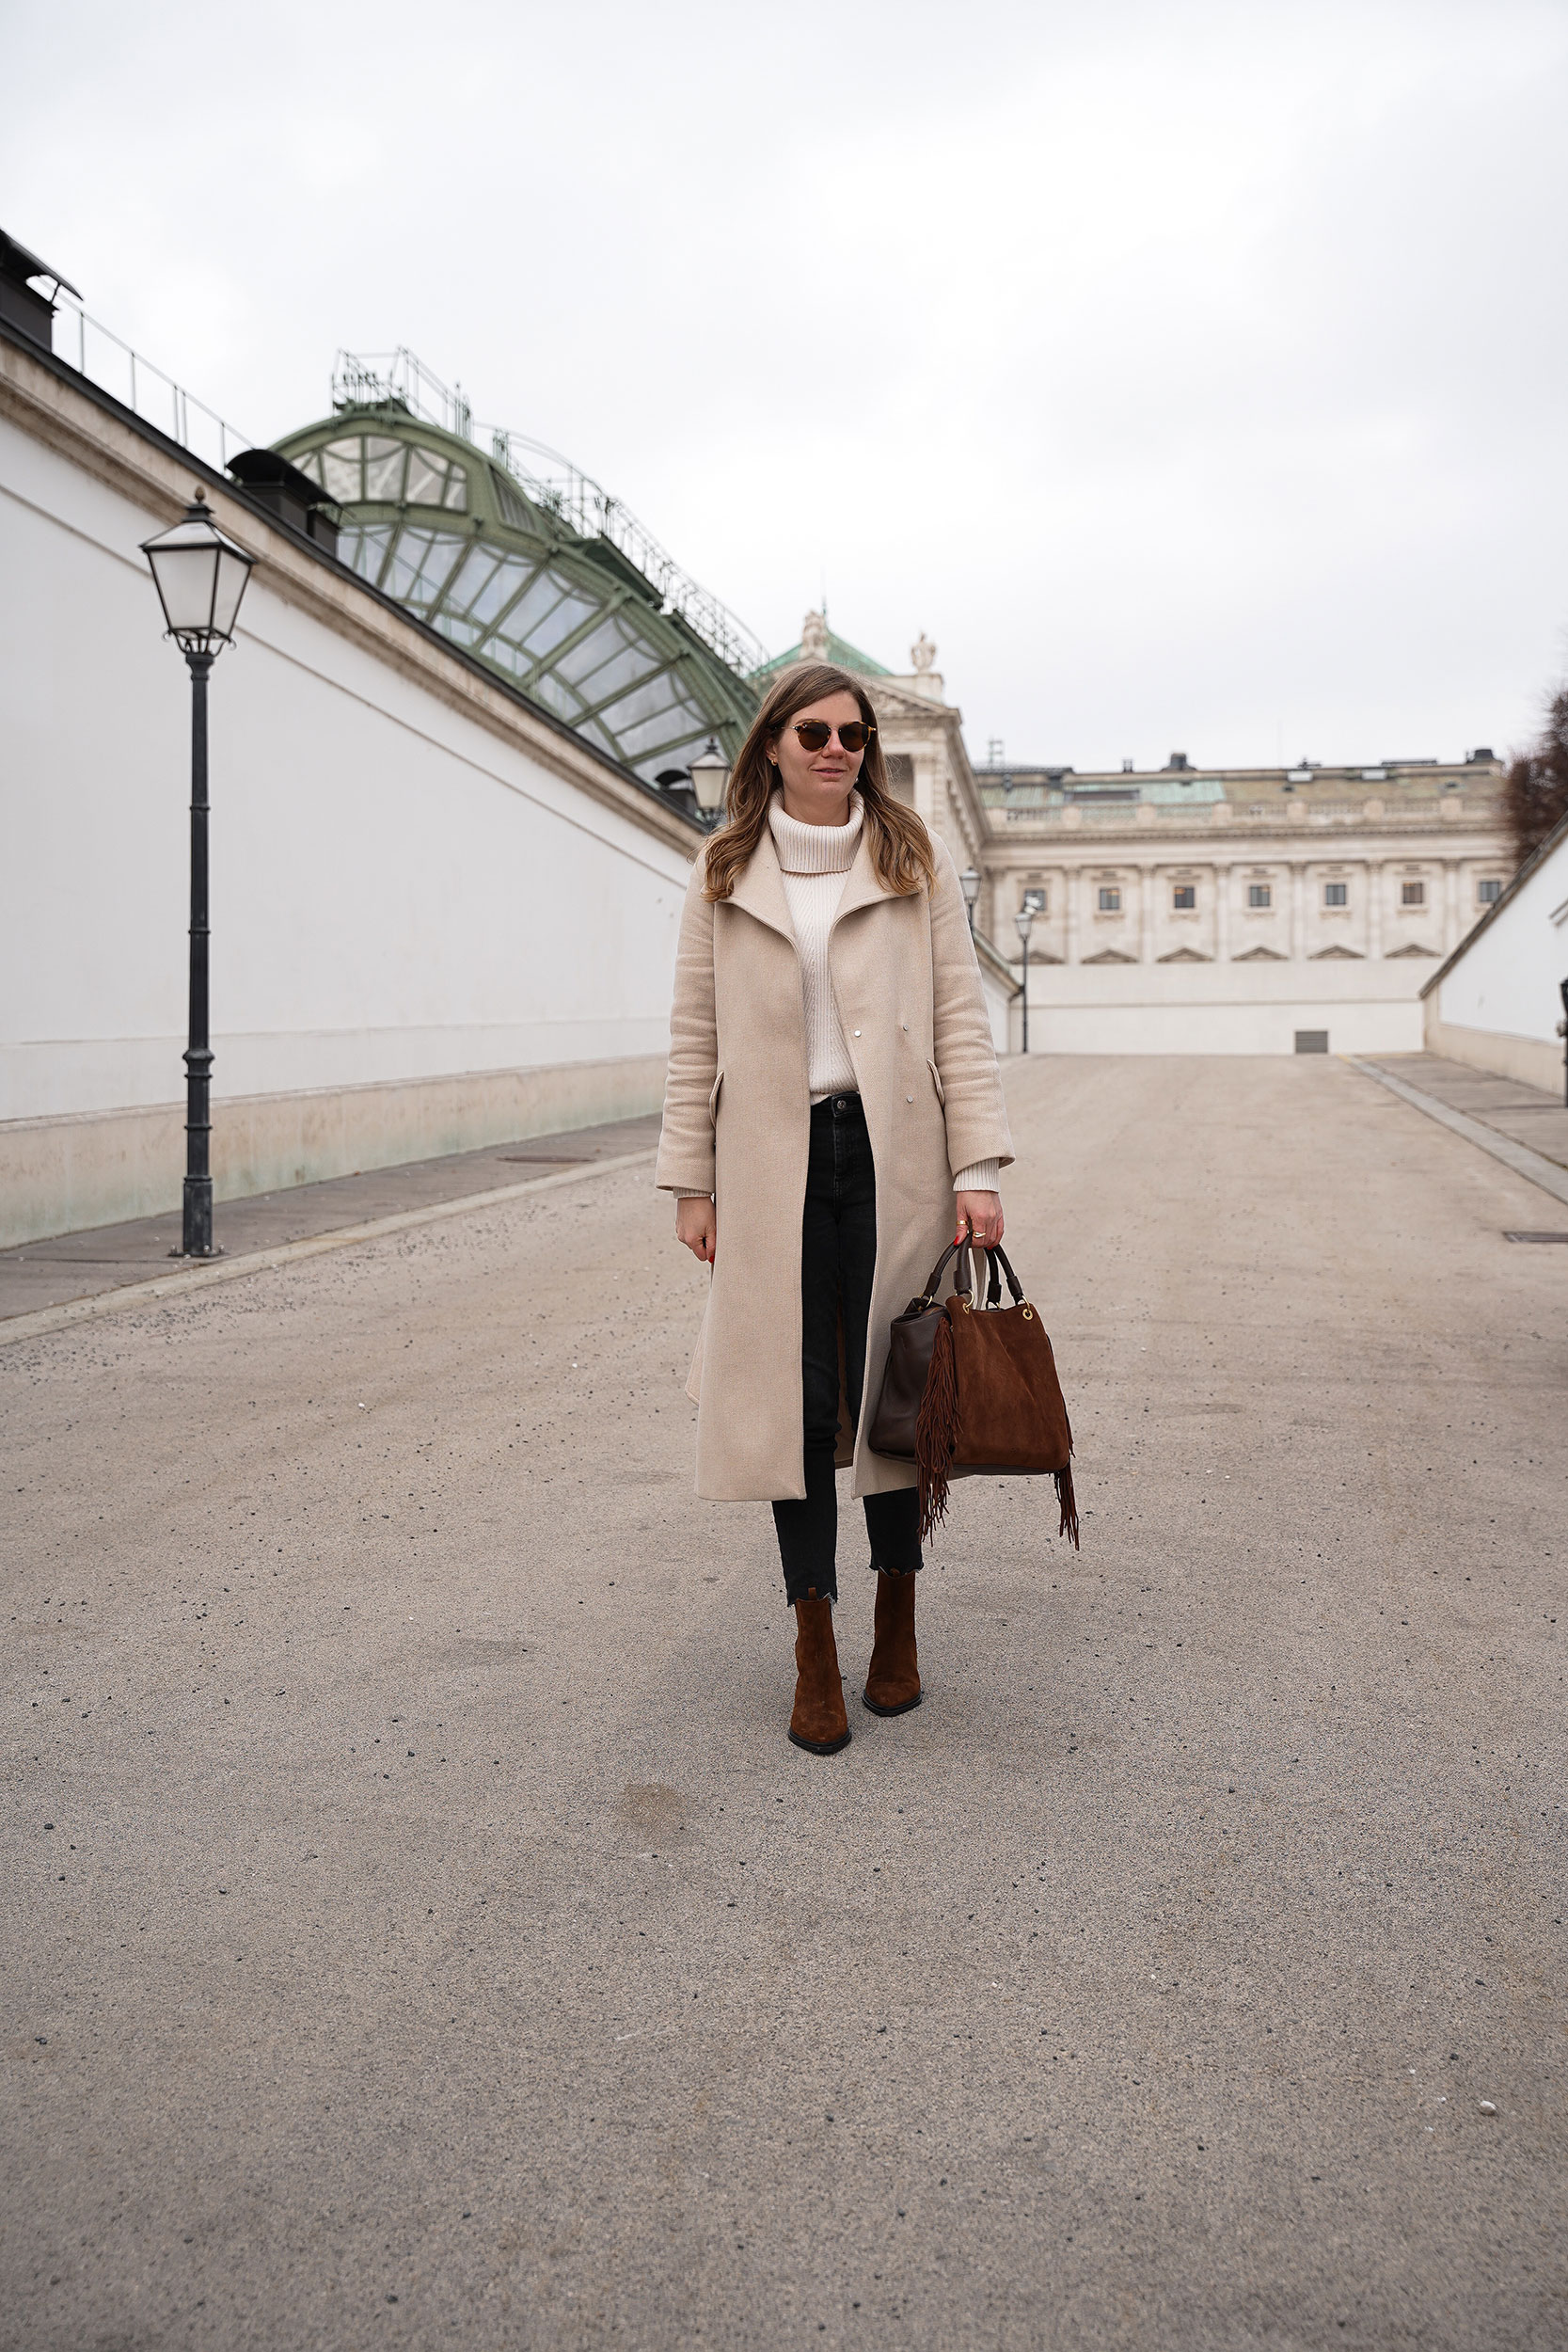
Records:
x=1413, y=894
x=1184, y=898
x=1312, y=1040
x=1110, y=903
x=1037, y=901
x=1260, y=895
x=1336, y=894
x=1488, y=893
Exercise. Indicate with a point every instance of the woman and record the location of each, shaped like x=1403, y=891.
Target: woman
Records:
x=833, y=1086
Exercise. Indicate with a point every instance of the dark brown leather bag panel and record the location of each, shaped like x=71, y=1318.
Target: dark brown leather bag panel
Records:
x=911, y=1339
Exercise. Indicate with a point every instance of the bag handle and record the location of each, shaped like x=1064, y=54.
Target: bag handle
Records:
x=963, y=1273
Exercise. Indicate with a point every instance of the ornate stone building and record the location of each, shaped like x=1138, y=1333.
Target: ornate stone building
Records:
x=1203, y=909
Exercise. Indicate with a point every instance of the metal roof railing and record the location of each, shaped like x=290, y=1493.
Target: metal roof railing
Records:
x=401, y=377
x=100, y=356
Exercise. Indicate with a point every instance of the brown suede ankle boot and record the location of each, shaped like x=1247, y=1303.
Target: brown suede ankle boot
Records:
x=893, y=1678
x=819, y=1721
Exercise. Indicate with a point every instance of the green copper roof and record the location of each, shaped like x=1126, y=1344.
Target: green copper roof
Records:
x=566, y=612
x=840, y=650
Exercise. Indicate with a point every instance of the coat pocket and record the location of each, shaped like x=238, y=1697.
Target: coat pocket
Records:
x=936, y=1081
x=713, y=1098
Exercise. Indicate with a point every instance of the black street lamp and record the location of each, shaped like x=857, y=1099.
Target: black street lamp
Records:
x=201, y=577
x=710, y=777
x=1025, y=918
x=969, y=879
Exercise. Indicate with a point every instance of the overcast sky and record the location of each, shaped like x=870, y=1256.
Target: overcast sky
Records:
x=1194, y=373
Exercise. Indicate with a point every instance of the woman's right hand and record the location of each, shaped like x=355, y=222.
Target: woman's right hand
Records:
x=697, y=1226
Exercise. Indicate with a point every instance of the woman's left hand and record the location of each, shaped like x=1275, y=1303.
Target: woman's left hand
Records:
x=979, y=1213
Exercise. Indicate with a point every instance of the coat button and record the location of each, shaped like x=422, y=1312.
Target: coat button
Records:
x=857, y=1033
x=909, y=1098
x=904, y=1026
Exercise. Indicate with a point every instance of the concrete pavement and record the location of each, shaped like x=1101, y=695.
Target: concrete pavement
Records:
x=421, y=1932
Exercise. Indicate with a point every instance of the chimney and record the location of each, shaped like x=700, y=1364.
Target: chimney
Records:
x=21, y=305
x=289, y=494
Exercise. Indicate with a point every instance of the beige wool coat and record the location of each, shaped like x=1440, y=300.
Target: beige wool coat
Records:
x=737, y=1124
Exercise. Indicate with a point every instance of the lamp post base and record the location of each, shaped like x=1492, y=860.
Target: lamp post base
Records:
x=195, y=1229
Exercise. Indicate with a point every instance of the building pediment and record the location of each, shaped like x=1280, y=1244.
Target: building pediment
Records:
x=1339, y=954
x=1185, y=954
x=1260, y=955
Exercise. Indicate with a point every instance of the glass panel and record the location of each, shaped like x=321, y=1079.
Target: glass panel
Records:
x=569, y=614
x=457, y=491
x=635, y=662
x=653, y=700
x=427, y=478
x=677, y=754
x=310, y=464
x=604, y=654
x=364, y=547
x=384, y=471
x=510, y=500
x=423, y=560
x=543, y=591
x=461, y=632
x=498, y=590
x=655, y=732
x=556, y=696
x=480, y=563
x=404, y=570
x=341, y=464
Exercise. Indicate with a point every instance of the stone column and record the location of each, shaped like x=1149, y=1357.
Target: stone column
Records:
x=1298, y=913
x=1375, y=908
x=1148, y=883
x=1452, y=918
x=1070, y=881
x=1222, y=914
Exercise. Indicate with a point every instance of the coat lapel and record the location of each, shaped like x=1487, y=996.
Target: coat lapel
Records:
x=864, y=885
x=760, y=890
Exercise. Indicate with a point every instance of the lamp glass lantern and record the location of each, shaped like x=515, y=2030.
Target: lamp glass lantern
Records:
x=200, y=575
x=1025, y=918
x=969, y=879
x=710, y=776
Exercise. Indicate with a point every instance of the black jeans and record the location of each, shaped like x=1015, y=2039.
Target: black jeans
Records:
x=838, y=1259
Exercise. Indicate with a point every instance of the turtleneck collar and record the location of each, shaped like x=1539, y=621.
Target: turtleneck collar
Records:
x=815, y=849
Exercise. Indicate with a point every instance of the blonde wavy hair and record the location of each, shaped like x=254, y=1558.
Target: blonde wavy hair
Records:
x=899, y=843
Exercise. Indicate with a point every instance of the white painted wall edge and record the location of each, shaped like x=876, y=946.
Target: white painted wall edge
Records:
x=67, y=1173
x=1530, y=1060
x=132, y=1294
x=1518, y=1157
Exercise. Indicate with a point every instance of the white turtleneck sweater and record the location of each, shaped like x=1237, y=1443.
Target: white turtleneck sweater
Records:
x=814, y=862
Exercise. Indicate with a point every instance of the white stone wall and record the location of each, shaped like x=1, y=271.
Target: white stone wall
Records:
x=406, y=889
x=1500, y=1003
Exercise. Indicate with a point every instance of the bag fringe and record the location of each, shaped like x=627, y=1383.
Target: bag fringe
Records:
x=1068, y=1502
x=936, y=1431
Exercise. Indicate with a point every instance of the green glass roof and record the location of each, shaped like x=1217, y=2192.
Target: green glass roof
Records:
x=840, y=650
x=567, y=613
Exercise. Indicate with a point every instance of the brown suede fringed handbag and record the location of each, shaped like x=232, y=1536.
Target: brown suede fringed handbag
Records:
x=969, y=1389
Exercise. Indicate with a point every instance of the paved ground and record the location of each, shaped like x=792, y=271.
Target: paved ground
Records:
x=38, y=1273
x=1524, y=1114
x=421, y=1932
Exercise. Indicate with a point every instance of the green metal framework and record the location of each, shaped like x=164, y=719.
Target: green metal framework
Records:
x=568, y=616
x=840, y=651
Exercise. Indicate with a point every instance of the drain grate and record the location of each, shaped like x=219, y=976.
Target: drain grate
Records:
x=1536, y=1237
